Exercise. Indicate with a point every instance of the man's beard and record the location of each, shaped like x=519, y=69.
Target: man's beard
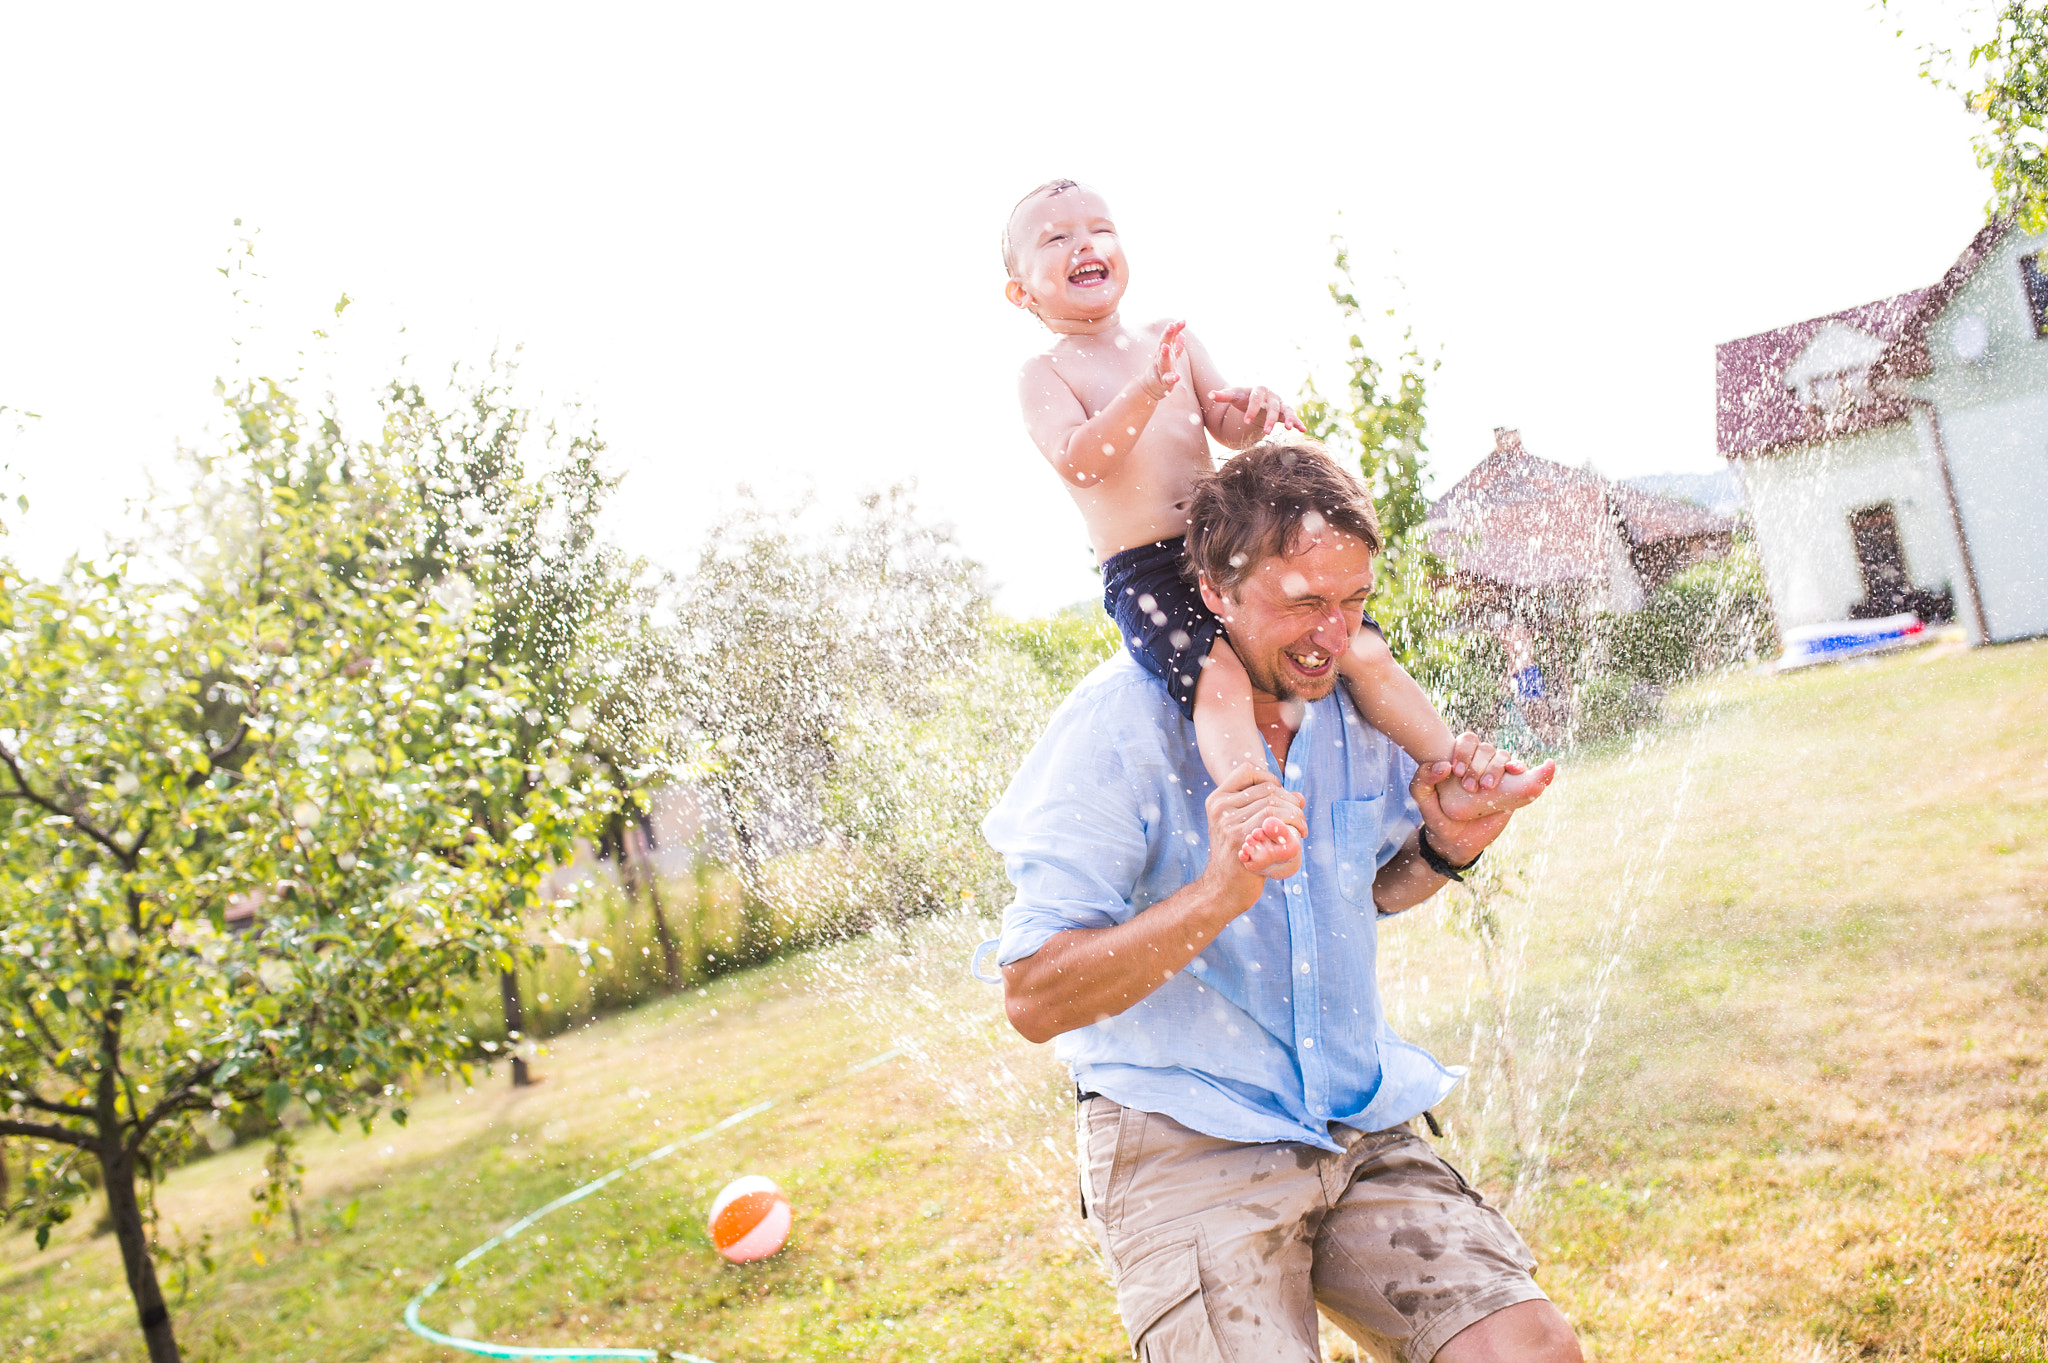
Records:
x=1273, y=680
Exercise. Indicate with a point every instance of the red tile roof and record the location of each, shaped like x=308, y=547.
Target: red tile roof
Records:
x=1908, y=357
x=1755, y=413
x=1526, y=522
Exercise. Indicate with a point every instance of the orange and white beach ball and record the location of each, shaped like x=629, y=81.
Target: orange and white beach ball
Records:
x=750, y=1219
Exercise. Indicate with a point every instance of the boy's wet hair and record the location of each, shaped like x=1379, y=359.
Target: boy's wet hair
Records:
x=1262, y=503
x=1009, y=248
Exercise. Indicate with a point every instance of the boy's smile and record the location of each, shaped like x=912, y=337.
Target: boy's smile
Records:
x=1088, y=274
x=1069, y=264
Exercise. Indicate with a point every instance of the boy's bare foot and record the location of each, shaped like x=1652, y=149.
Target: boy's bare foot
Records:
x=1514, y=788
x=1273, y=850
x=1485, y=780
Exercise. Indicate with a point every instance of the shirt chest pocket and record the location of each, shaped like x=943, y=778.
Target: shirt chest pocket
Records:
x=1355, y=830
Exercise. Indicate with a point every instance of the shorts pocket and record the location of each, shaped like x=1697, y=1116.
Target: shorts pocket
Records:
x=1159, y=1295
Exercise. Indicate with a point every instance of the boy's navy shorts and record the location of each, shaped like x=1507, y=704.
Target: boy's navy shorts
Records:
x=1161, y=617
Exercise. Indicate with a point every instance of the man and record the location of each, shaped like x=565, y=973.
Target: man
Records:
x=1246, y=1151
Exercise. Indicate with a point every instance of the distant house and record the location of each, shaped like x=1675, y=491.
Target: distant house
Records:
x=1531, y=539
x=1894, y=456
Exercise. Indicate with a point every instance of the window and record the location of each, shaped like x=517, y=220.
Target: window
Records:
x=2035, y=272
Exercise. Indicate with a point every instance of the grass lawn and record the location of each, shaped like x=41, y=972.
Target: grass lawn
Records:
x=1758, y=1042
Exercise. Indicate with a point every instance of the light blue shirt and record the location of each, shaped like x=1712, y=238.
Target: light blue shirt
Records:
x=1276, y=1030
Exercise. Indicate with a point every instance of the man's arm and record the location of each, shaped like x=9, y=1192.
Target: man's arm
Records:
x=1406, y=879
x=1083, y=975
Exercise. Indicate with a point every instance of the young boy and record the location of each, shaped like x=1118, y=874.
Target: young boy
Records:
x=1125, y=417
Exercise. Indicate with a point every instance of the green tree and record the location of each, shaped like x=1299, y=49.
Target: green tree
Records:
x=506, y=516
x=1382, y=420
x=2004, y=80
x=239, y=868
x=15, y=501
x=804, y=652
x=2013, y=101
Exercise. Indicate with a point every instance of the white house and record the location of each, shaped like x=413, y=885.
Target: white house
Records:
x=1895, y=456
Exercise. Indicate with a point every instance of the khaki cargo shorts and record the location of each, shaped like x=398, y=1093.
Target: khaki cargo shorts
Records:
x=1222, y=1251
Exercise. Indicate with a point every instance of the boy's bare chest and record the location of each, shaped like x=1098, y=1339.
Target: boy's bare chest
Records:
x=1097, y=373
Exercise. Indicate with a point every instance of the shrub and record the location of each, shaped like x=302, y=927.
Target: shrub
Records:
x=1469, y=682
x=1607, y=705
x=1709, y=616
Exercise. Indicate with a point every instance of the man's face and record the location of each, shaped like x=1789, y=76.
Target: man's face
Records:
x=1070, y=264
x=1296, y=613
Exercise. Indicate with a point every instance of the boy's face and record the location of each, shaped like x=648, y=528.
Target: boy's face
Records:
x=1070, y=265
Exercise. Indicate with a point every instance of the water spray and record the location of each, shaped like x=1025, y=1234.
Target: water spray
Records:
x=486, y=1349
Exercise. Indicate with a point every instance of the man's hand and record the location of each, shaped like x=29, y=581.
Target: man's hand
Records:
x=1407, y=880
x=1160, y=378
x=1249, y=802
x=1459, y=840
x=1487, y=781
x=1262, y=408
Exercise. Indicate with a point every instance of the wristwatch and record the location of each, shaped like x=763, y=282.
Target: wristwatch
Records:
x=1434, y=859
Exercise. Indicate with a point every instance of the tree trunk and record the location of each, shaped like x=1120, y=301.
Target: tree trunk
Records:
x=635, y=853
x=515, y=1026
x=126, y=1213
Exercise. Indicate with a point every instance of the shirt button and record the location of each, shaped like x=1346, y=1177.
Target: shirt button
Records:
x=1308, y=1043
x=1304, y=967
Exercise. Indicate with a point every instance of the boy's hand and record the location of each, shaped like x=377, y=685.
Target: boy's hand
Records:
x=1262, y=408
x=1162, y=376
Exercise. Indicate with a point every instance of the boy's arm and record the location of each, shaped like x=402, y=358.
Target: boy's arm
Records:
x=1391, y=700
x=1088, y=449
x=1237, y=417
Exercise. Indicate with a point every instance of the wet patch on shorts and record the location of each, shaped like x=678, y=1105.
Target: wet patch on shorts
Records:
x=1418, y=1241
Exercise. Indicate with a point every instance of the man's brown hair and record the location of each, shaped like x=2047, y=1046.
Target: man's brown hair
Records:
x=1010, y=247
x=1264, y=502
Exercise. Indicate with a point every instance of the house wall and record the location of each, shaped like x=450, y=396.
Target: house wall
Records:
x=1800, y=502
x=1994, y=425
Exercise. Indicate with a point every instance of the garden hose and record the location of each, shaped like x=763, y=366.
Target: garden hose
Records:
x=485, y=1349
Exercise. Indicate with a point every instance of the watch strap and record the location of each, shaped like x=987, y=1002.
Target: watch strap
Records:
x=1435, y=861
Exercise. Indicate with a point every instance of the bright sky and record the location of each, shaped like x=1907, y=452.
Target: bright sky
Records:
x=759, y=242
